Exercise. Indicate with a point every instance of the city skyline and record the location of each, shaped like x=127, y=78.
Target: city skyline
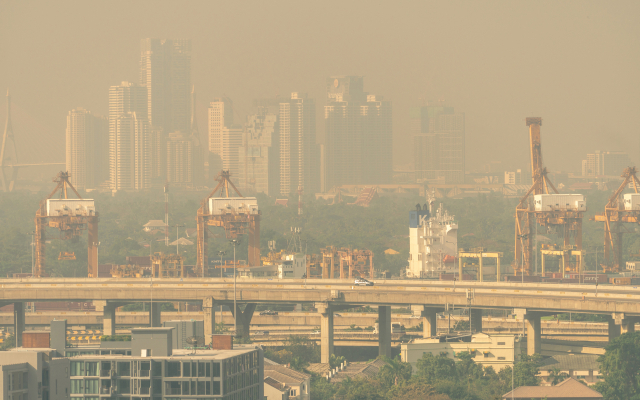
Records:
x=404, y=64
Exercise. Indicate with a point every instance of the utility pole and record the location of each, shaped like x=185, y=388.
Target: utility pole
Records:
x=235, y=243
x=178, y=241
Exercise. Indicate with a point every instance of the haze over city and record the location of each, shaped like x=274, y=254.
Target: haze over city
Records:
x=573, y=63
x=319, y=200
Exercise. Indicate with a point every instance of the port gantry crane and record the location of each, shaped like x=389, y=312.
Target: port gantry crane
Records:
x=527, y=214
x=236, y=215
x=71, y=217
x=615, y=213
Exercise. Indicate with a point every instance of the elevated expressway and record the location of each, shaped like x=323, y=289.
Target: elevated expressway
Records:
x=530, y=301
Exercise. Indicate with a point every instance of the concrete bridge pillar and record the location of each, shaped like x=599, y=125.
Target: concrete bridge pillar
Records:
x=475, y=319
x=626, y=323
x=429, y=319
x=243, y=319
x=18, y=321
x=534, y=332
x=612, y=328
x=326, y=331
x=209, y=319
x=155, y=312
x=533, y=329
x=109, y=319
x=384, y=331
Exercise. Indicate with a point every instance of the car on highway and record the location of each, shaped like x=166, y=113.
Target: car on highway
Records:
x=268, y=312
x=362, y=282
x=316, y=332
x=415, y=317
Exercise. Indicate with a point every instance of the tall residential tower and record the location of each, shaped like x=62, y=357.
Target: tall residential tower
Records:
x=358, y=135
x=299, y=152
x=87, y=149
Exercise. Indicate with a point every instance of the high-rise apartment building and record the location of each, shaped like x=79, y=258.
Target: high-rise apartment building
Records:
x=179, y=159
x=229, y=155
x=220, y=115
x=87, y=144
x=130, y=153
x=439, y=144
x=130, y=145
x=198, y=150
x=299, y=152
x=259, y=154
x=605, y=163
x=165, y=69
x=358, y=135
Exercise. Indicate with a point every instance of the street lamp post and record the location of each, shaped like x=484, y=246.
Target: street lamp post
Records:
x=235, y=243
x=221, y=253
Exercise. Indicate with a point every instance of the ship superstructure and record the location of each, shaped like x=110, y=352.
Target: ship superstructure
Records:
x=433, y=236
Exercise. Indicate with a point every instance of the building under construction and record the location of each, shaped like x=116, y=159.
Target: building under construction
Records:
x=343, y=263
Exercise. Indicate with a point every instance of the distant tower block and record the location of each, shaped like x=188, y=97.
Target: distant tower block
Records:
x=8, y=154
x=300, y=190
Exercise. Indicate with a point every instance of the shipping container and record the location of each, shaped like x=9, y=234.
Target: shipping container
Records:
x=589, y=278
x=72, y=207
x=35, y=340
x=631, y=201
x=520, y=278
x=620, y=281
x=552, y=202
x=233, y=205
x=559, y=280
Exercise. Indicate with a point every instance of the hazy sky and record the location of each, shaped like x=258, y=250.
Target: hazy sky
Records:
x=576, y=64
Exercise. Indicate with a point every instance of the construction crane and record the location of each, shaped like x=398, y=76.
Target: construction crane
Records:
x=71, y=217
x=236, y=215
x=616, y=213
x=548, y=208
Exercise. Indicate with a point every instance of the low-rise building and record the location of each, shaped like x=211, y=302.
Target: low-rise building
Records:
x=565, y=390
x=298, y=383
x=584, y=367
x=497, y=351
x=156, y=370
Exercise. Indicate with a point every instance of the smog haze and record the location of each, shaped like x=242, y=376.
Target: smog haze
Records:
x=573, y=63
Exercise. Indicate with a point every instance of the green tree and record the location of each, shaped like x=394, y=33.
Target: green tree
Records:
x=619, y=366
x=394, y=371
x=335, y=361
x=433, y=369
x=556, y=376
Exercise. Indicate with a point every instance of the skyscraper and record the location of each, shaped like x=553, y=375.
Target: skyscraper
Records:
x=129, y=138
x=220, y=115
x=165, y=69
x=299, y=152
x=358, y=135
x=439, y=144
x=605, y=163
x=179, y=159
x=130, y=167
x=231, y=139
x=87, y=145
x=198, y=150
x=259, y=154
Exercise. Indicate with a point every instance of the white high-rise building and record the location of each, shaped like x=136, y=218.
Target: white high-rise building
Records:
x=433, y=242
x=220, y=116
x=259, y=154
x=130, y=163
x=127, y=102
x=231, y=143
x=299, y=152
x=87, y=143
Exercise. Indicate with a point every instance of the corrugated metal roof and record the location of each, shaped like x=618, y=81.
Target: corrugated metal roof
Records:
x=568, y=389
x=574, y=362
